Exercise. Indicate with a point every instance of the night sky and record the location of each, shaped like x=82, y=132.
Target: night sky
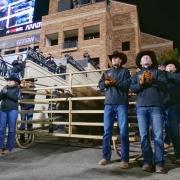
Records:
x=157, y=17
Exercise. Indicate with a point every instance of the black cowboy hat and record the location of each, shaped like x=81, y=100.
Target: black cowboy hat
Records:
x=175, y=62
x=13, y=77
x=151, y=54
x=121, y=55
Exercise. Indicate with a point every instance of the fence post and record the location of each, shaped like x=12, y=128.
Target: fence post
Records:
x=70, y=105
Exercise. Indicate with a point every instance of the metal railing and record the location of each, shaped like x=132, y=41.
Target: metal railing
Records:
x=5, y=67
x=70, y=112
x=70, y=44
x=75, y=64
x=41, y=60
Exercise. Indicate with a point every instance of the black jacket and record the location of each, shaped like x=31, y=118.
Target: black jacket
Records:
x=9, y=99
x=173, y=88
x=28, y=96
x=117, y=94
x=51, y=64
x=149, y=95
x=169, y=95
x=17, y=66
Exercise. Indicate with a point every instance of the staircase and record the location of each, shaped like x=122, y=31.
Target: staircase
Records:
x=35, y=67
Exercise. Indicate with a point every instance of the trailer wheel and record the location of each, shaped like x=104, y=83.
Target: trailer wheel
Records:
x=25, y=140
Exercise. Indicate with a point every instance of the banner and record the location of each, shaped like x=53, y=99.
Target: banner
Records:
x=20, y=41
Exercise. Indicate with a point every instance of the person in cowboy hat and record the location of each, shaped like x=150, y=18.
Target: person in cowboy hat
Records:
x=173, y=87
x=9, y=96
x=115, y=82
x=147, y=84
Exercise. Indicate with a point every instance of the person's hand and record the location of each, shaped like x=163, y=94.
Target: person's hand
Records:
x=146, y=78
x=110, y=81
x=142, y=79
x=107, y=83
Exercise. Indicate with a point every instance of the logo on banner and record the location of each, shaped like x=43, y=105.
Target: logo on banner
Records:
x=24, y=41
x=14, y=30
x=24, y=28
x=33, y=26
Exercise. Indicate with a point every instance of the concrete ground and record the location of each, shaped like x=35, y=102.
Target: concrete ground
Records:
x=59, y=162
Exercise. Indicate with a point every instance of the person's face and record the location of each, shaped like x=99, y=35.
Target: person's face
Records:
x=171, y=68
x=20, y=57
x=11, y=83
x=162, y=67
x=146, y=61
x=116, y=61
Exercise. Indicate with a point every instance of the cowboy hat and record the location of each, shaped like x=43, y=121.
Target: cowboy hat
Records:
x=151, y=54
x=121, y=55
x=13, y=77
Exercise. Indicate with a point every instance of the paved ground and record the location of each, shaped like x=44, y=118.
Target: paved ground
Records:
x=56, y=162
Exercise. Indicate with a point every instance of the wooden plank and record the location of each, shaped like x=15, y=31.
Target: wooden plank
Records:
x=83, y=136
x=44, y=122
x=63, y=111
x=44, y=111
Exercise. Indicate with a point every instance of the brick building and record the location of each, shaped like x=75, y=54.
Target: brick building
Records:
x=99, y=29
x=95, y=27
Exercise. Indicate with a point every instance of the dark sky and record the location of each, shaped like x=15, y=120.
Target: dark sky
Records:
x=41, y=8
x=159, y=17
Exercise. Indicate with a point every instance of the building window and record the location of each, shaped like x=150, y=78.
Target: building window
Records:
x=91, y=32
x=52, y=39
x=64, y=5
x=10, y=52
x=126, y=46
x=70, y=39
x=22, y=49
x=83, y=2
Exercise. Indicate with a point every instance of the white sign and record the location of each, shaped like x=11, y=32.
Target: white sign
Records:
x=33, y=26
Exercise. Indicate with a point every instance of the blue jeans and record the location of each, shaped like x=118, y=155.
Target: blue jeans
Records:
x=167, y=136
x=173, y=117
x=151, y=116
x=27, y=117
x=8, y=118
x=110, y=113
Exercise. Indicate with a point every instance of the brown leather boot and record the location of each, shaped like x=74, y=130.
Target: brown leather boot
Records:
x=124, y=165
x=103, y=162
x=147, y=168
x=160, y=170
x=6, y=152
x=1, y=152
